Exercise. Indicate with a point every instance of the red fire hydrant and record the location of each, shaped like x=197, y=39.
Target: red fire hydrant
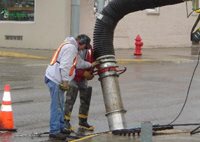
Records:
x=138, y=46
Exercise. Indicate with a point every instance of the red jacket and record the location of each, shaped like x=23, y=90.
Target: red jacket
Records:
x=79, y=72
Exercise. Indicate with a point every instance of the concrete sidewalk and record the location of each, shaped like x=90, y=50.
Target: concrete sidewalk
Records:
x=177, y=55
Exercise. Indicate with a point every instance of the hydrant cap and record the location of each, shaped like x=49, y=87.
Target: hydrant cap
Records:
x=138, y=38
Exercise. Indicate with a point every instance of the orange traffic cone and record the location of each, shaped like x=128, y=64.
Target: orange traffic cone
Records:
x=6, y=114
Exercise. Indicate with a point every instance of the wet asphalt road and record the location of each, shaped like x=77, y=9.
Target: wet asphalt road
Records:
x=151, y=91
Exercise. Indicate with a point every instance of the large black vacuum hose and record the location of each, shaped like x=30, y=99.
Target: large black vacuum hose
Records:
x=111, y=14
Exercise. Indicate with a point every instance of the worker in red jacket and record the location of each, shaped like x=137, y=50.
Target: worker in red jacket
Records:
x=80, y=84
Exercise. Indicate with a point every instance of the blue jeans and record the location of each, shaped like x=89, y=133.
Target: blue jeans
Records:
x=56, y=107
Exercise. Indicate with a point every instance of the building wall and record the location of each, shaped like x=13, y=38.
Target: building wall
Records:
x=51, y=25
x=171, y=28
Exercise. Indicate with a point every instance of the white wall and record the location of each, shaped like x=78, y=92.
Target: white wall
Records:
x=171, y=28
x=51, y=25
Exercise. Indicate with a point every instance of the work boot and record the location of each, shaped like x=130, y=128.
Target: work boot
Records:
x=84, y=124
x=68, y=128
x=58, y=136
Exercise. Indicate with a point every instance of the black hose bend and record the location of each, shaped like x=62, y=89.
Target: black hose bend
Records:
x=107, y=20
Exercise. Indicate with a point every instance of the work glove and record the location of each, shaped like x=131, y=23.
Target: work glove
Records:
x=64, y=86
x=94, y=64
x=88, y=75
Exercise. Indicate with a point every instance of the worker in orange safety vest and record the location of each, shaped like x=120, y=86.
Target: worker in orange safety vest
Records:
x=58, y=76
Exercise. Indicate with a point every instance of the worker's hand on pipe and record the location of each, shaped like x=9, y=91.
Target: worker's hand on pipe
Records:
x=94, y=64
x=64, y=86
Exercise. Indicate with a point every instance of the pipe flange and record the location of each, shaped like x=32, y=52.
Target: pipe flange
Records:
x=115, y=111
x=107, y=65
x=107, y=74
x=105, y=57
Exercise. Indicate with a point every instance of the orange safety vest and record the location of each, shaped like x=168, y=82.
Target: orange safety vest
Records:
x=55, y=56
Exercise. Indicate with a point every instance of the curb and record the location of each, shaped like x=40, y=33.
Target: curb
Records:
x=119, y=61
x=173, y=60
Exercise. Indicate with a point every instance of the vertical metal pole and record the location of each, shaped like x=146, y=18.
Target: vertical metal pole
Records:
x=75, y=17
